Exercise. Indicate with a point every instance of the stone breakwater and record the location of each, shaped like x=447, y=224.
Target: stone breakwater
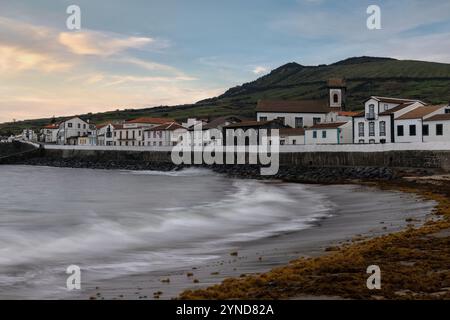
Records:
x=287, y=173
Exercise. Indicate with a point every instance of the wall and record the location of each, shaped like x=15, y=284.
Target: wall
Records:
x=432, y=130
x=290, y=117
x=413, y=155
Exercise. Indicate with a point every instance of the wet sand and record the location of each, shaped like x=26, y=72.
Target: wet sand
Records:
x=358, y=213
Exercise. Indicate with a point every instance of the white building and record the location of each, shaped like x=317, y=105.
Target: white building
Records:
x=437, y=128
x=165, y=135
x=105, y=134
x=211, y=133
x=330, y=133
x=292, y=136
x=131, y=133
x=411, y=127
x=28, y=135
x=49, y=134
x=305, y=113
x=376, y=123
x=73, y=128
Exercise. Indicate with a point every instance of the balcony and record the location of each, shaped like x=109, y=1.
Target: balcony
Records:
x=371, y=116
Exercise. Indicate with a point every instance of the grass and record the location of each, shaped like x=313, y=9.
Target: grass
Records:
x=365, y=76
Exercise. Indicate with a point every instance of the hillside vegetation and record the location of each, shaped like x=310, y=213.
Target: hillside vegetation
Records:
x=427, y=81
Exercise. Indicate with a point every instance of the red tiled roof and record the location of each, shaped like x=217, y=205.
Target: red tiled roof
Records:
x=292, y=132
x=349, y=113
x=328, y=125
x=439, y=117
x=293, y=106
x=396, y=109
x=52, y=126
x=170, y=126
x=336, y=83
x=393, y=100
x=151, y=120
x=420, y=112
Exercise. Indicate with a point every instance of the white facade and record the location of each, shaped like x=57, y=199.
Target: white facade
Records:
x=28, y=135
x=292, y=139
x=377, y=123
x=50, y=135
x=164, y=136
x=438, y=130
x=294, y=120
x=329, y=135
x=73, y=128
x=105, y=135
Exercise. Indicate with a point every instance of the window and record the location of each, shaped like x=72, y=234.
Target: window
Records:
x=298, y=122
x=262, y=118
x=79, y=126
x=400, y=131
x=314, y=134
x=383, y=128
x=324, y=134
x=361, y=129
x=439, y=129
x=447, y=111
x=282, y=142
x=371, y=129
x=361, y=141
x=316, y=120
x=84, y=126
x=426, y=130
x=386, y=107
x=412, y=130
x=134, y=134
x=294, y=141
x=372, y=141
x=69, y=124
x=371, y=114
x=160, y=143
x=335, y=98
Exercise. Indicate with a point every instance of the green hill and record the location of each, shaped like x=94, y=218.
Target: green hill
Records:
x=427, y=81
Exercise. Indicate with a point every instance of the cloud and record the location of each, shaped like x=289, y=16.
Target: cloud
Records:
x=98, y=43
x=14, y=59
x=260, y=70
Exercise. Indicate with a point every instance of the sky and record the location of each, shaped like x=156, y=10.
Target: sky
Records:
x=143, y=53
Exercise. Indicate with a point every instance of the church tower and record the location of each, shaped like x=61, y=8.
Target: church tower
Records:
x=337, y=90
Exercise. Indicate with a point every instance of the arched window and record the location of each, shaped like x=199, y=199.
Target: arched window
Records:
x=335, y=98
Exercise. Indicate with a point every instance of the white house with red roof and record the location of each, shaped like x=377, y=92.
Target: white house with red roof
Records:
x=165, y=135
x=438, y=127
x=49, y=134
x=376, y=124
x=305, y=113
x=131, y=133
x=413, y=126
x=330, y=133
x=73, y=128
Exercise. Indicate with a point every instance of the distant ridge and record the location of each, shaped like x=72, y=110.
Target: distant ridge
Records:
x=365, y=76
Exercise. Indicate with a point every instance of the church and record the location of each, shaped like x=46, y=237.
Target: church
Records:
x=307, y=113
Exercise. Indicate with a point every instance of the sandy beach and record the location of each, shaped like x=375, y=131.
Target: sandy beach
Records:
x=358, y=213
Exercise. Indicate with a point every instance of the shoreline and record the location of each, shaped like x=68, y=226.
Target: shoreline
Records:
x=334, y=258
x=262, y=255
x=414, y=261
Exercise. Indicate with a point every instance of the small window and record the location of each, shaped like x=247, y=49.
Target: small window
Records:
x=412, y=130
x=335, y=98
x=316, y=120
x=299, y=122
x=262, y=118
x=324, y=134
x=371, y=129
x=282, y=142
x=69, y=124
x=361, y=129
x=361, y=141
x=372, y=141
x=79, y=126
x=294, y=141
x=426, y=130
x=400, y=131
x=447, y=111
x=383, y=128
x=314, y=134
x=84, y=126
x=439, y=129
